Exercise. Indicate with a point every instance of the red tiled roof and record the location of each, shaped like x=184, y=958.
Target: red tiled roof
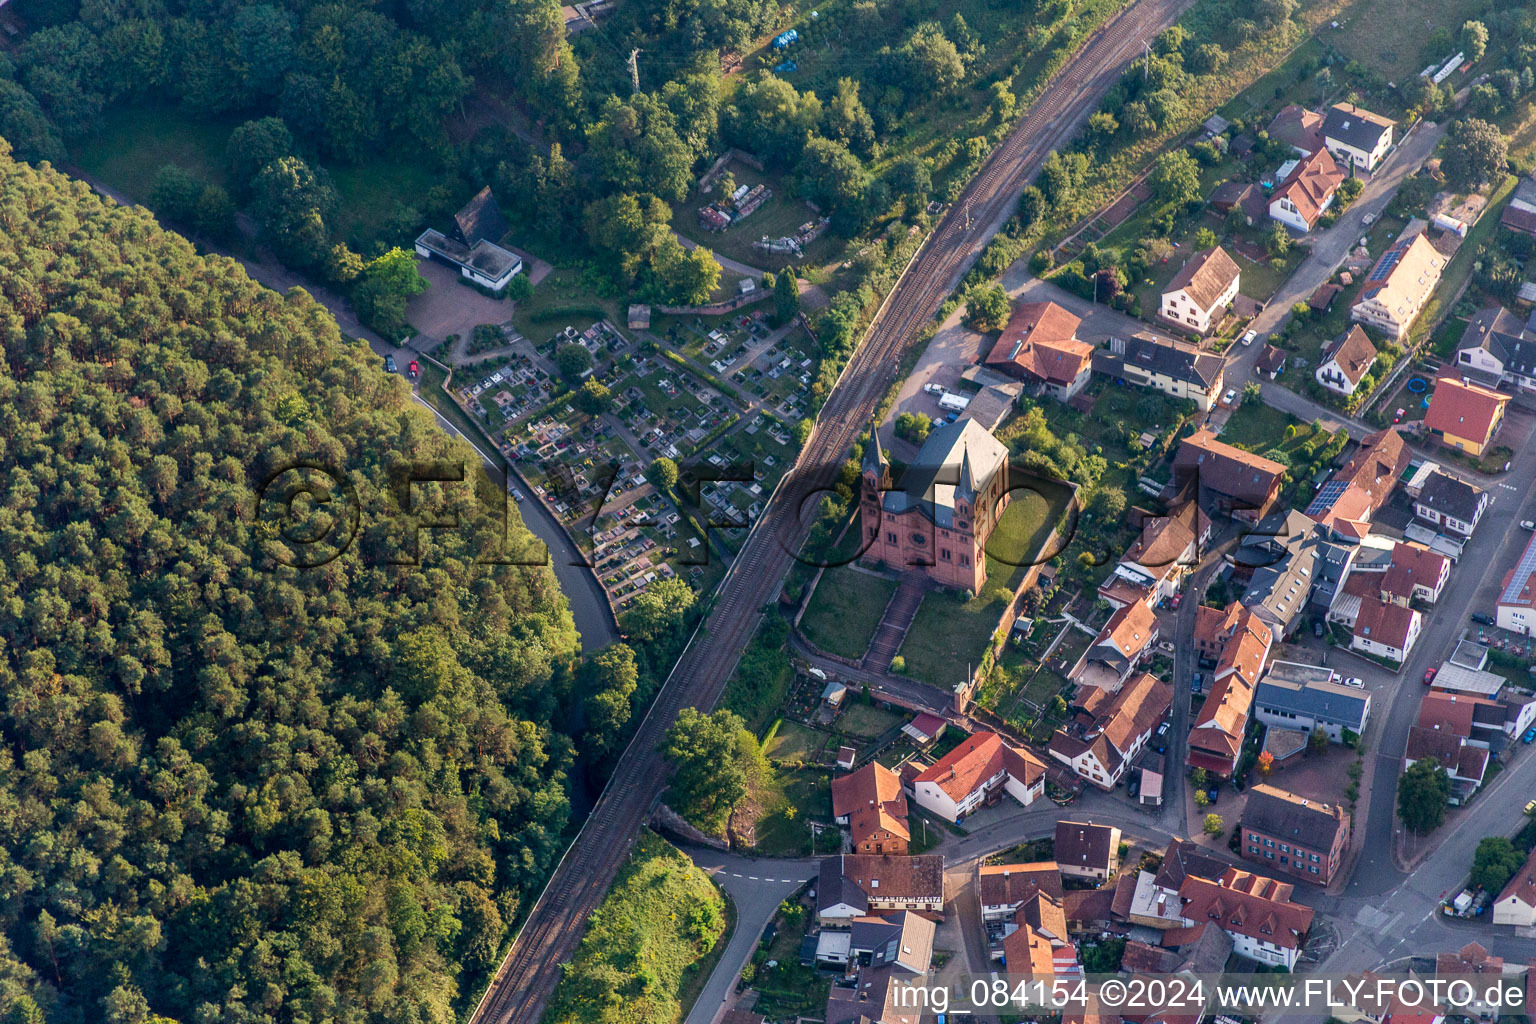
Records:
x=1041, y=341
x=1354, y=353
x=1523, y=885
x=1413, y=565
x=961, y=771
x=1448, y=712
x=1028, y=952
x=1248, y=904
x=1311, y=184
x=1466, y=410
x=1388, y=624
x=1519, y=220
x=1226, y=469
x=1001, y=884
x=1299, y=127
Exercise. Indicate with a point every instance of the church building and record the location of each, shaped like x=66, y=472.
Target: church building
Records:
x=945, y=508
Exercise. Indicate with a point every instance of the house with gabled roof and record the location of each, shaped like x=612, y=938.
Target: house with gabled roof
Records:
x=1357, y=136
x=1112, y=728
x=1201, y=291
x=1257, y=912
x=1087, y=851
x=1352, y=496
x=1451, y=503
x=1177, y=369
x=1167, y=550
x=1122, y=645
x=1040, y=346
x=1293, y=834
x=979, y=771
x=1465, y=416
x=1345, y=361
x=1216, y=739
x=1230, y=481
x=1386, y=630
x=1498, y=348
x=1307, y=192
x=1002, y=888
x=1299, y=128
x=871, y=803
x=471, y=247
x=1516, y=904
x=1399, y=285
x=854, y=885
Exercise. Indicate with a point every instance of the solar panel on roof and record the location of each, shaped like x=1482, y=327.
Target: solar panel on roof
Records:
x=1326, y=497
x=1523, y=571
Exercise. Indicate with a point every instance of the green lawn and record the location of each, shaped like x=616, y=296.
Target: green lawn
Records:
x=136, y=142
x=866, y=720
x=845, y=611
x=1460, y=267
x=952, y=631
x=794, y=742
x=796, y=798
x=382, y=201
x=1260, y=427
x=762, y=676
x=663, y=913
x=563, y=297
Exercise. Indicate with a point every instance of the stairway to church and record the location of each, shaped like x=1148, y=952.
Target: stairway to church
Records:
x=896, y=621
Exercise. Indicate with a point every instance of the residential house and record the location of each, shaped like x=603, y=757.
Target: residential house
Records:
x=471, y=247
x=1087, y=851
x=1299, y=128
x=1386, y=630
x=1473, y=964
x=1002, y=888
x=1294, y=835
x=1122, y=645
x=1304, y=697
x=1151, y=899
x=940, y=518
x=1153, y=568
x=1040, y=347
x=1352, y=496
x=870, y=802
x=1357, y=136
x=1216, y=739
x=1444, y=734
x=1285, y=552
x=1027, y=952
x=1176, y=369
x=1213, y=628
x=1346, y=361
x=1256, y=912
x=1516, y=904
x=903, y=940
x=854, y=885
x=1416, y=573
x=1230, y=481
x=1300, y=200
x=976, y=772
x=1046, y=915
x=1451, y=503
x=1399, y=285
x=1112, y=729
x=1498, y=348
x=1465, y=416
x=880, y=995
x=1201, y=291
x=1516, y=609
x=1271, y=362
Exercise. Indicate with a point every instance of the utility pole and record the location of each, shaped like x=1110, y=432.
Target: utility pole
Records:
x=634, y=69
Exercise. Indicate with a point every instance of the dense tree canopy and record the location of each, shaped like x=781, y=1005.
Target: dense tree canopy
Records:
x=232, y=789
x=1422, y=795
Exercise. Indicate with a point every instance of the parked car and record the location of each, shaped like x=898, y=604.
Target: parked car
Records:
x=414, y=369
x=389, y=364
x=1194, y=683
x=517, y=495
x=1356, y=682
x=934, y=389
x=1429, y=674
x=1530, y=735
x=1526, y=524
x=1162, y=730
x=1249, y=337
x=1214, y=794
x=1317, y=628
x=1483, y=619
x=1230, y=398
x=1530, y=808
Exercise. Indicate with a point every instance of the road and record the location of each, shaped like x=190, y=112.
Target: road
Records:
x=756, y=888
x=528, y=974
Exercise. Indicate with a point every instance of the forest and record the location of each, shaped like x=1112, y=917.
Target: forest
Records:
x=231, y=788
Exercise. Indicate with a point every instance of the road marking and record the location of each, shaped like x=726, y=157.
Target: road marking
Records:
x=754, y=878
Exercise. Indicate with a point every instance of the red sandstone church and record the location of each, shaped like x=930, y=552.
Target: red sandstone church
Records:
x=945, y=509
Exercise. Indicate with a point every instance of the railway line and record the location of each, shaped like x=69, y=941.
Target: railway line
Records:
x=527, y=976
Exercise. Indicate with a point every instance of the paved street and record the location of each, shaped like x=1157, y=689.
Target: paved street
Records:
x=756, y=888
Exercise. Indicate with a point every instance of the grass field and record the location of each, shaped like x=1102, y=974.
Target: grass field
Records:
x=376, y=201
x=563, y=297
x=1260, y=427
x=845, y=611
x=865, y=720
x=136, y=142
x=663, y=915
x=794, y=742
x=950, y=630
x=1389, y=36
x=797, y=797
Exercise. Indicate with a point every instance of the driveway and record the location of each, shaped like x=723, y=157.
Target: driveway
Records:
x=756, y=887
x=447, y=307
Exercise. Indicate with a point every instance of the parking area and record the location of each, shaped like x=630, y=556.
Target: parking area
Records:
x=447, y=307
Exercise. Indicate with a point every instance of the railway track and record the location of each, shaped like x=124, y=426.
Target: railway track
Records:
x=527, y=976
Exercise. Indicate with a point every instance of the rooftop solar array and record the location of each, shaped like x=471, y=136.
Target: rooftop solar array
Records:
x=1326, y=497
x=1522, y=576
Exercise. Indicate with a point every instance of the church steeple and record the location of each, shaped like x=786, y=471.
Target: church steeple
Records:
x=874, y=465
x=966, y=488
